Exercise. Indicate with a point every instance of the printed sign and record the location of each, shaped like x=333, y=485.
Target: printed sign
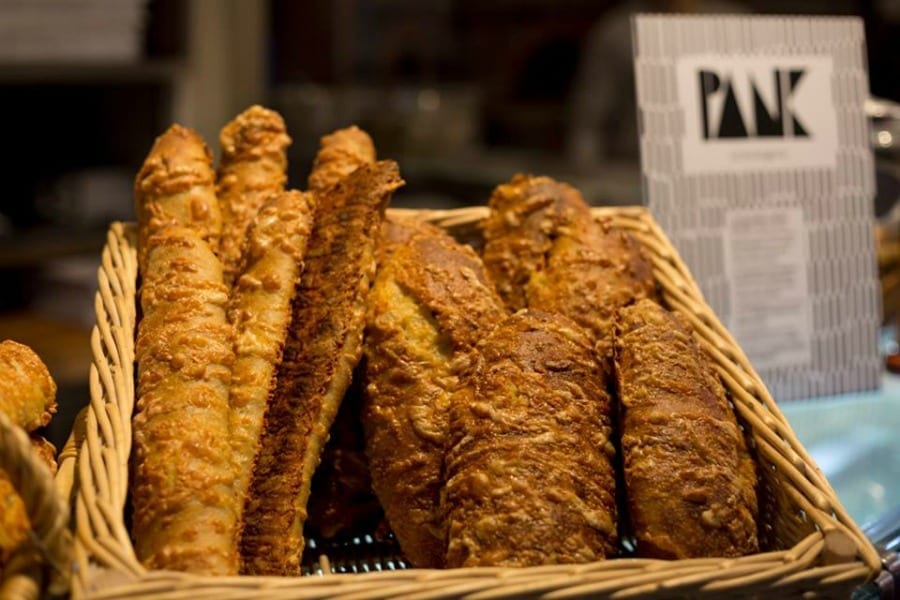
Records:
x=756, y=163
x=747, y=113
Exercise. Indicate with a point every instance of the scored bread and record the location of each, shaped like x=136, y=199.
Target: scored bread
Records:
x=430, y=304
x=690, y=481
x=529, y=468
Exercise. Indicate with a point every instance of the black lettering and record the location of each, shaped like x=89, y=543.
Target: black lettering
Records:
x=779, y=122
x=794, y=77
x=768, y=124
x=732, y=123
x=709, y=83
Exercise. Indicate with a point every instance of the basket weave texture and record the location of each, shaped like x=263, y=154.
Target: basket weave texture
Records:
x=812, y=546
x=40, y=564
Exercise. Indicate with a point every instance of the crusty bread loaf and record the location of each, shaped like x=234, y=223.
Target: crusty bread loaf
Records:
x=431, y=303
x=14, y=523
x=529, y=467
x=253, y=167
x=341, y=498
x=526, y=215
x=690, y=481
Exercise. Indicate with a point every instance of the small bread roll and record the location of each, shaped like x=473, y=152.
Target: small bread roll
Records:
x=14, y=524
x=430, y=305
x=27, y=391
x=690, y=481
x=529, y=466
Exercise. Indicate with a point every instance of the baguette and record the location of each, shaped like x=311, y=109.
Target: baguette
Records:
x=529, y=465
x=323, y=346
x=341, y=498
x=253, y=168
x=690, y=481
x=184, y=515
x=260, y=310
x=176, y=185
x=430, y=304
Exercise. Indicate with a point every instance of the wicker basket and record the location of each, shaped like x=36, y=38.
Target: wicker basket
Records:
x=814, y=549
x=40, y=565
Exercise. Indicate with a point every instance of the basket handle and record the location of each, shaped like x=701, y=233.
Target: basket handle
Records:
x=47, y=513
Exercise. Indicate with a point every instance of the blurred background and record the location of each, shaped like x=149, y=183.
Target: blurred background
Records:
x=463, y=93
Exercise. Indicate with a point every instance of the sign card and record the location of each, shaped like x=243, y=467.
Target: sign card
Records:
x=756, y=163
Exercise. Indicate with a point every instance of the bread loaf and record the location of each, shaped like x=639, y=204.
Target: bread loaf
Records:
x=431, y=303
x=690, y=481
x=340, y=153
x=27, y=391
x=176, y=185
x=529, y=468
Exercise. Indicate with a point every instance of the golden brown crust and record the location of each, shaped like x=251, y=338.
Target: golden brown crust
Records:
x=260, y=310
x=588, y=276
x=545, y=251
x=342, y=497
x=690, y=481
x=27, y=391
x=323, y=346
x=184, y=514
x=529, y=472
x=176, y=185
x=397, y=231
x=253, y=167
x=340, y=153
x=431, y=303
x=526, y=215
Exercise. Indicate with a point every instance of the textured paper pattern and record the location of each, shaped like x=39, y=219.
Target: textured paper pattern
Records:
x=833, y=190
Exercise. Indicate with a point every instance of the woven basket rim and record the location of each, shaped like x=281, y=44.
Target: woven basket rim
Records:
x=834, y=553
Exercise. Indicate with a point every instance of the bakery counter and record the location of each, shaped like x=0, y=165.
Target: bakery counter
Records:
x=854, y=440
